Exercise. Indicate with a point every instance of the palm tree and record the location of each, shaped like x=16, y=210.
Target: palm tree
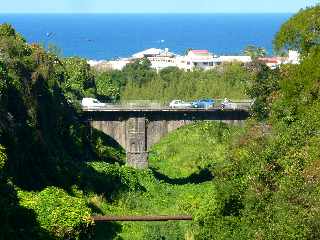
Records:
x=254, y=52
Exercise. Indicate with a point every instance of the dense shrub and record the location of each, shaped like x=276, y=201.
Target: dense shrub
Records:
x=79, y=81
x=124, y=177
x=65, y=216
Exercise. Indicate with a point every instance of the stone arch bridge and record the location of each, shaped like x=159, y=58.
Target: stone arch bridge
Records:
x=136, y=129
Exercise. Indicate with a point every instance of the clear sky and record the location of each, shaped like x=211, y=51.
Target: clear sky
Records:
x=153, y=6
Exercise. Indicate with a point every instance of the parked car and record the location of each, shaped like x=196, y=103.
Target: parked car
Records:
x=179, y=104
x=228, y=104
x=92, y=102
x=203, y=103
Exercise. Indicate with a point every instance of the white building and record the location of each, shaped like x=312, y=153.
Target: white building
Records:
x=94, y=63
x=151, y=52
x=159, y=58
x=119, y=64
x=104, y=65
x=163, y=58
x=274, y=62
x=201, y=59
x=230, y=59
x=293, y=57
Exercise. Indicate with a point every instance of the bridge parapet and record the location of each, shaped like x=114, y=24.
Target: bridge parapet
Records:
x=152, y=105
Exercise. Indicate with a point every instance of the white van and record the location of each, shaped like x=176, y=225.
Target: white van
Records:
x=92, y=102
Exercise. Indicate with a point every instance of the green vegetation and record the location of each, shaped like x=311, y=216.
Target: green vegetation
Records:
x=268, y=188
x=179, y=179
x=254, y=52
x=172, y=83
x=46, y=147
x=107, y=88
x=59, y=213
x=138, y=81
x=300, y=33
x=256, y=181
x=78, y=79
x=261, y=89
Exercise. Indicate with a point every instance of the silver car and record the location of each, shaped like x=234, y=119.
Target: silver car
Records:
x=227, y=104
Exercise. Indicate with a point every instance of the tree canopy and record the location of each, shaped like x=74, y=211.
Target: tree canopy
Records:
x=301, y=32
x=254, y=52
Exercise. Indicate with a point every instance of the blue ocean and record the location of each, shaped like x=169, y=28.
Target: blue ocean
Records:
x=110, y=36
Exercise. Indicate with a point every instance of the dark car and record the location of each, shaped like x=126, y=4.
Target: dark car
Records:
x=203, y=103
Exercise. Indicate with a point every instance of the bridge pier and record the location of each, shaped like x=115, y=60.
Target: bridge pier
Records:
x=136, y=145
x=137, y=160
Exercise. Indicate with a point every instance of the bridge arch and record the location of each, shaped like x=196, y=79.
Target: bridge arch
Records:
x=99, y=137
x=157, y=130
x=113, y=129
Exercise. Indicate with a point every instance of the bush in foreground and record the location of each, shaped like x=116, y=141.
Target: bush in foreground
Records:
x=64, y=216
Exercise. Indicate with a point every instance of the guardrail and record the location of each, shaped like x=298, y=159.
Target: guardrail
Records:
x=136, y=104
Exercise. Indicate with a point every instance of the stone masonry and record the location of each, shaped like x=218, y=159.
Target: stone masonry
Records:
x=137, y=130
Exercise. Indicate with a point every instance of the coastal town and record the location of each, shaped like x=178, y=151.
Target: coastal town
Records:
x=194, y=59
